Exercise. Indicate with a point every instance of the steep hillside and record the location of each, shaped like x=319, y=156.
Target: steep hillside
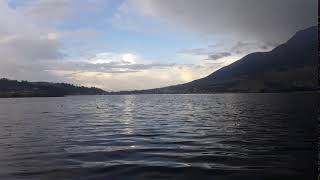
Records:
x=291, y=66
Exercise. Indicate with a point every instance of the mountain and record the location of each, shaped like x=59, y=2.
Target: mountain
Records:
x=291, y=66
x=13, y=88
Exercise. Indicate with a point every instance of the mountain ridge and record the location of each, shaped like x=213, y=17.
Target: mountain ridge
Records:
x=13, y=88
x=291, y=66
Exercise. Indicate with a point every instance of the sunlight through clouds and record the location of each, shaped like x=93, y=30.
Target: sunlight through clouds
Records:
x=135, y=44
x=128, y=71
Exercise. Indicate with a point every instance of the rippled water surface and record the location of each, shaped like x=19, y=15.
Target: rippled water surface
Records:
x=221, y=136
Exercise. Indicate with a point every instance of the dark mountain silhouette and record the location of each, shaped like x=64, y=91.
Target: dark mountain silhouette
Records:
x=291, y=66
x=13, y=88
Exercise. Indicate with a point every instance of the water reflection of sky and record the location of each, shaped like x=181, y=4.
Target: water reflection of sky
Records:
x=223, y=132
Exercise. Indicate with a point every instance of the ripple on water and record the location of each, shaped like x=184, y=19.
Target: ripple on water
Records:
x=222, y=136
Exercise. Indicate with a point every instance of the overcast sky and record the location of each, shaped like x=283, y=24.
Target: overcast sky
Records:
x=139, y=44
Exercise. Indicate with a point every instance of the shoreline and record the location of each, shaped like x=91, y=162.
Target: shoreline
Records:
x=113, y=94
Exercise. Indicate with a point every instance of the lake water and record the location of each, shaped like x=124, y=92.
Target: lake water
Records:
x=220, y=136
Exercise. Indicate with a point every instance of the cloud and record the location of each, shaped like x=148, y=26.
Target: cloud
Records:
x=111, y=67
x=117, y=58
x=27, y=48
x=129, y=20
x=245, y=47
x=125, y=71
x=47, y=10
x=218, y=51
x=107, y=62
x=57, y=11
x=209, y=53
x=107, y=70
x=217, y=56
x=269, y=21
x=36, y=52
x=32, y=47
x=23, y=45
x=22, y=40
x=195, y=51
x=149, y=76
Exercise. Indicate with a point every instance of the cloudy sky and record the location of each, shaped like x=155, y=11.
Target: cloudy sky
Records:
x=139, y=44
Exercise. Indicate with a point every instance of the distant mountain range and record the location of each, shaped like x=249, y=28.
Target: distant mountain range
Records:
x=291, y=66
x=13, y=88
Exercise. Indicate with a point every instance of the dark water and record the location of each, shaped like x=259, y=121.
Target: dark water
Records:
x=223, y=136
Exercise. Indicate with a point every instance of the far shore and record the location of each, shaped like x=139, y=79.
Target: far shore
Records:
x=117, y=93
